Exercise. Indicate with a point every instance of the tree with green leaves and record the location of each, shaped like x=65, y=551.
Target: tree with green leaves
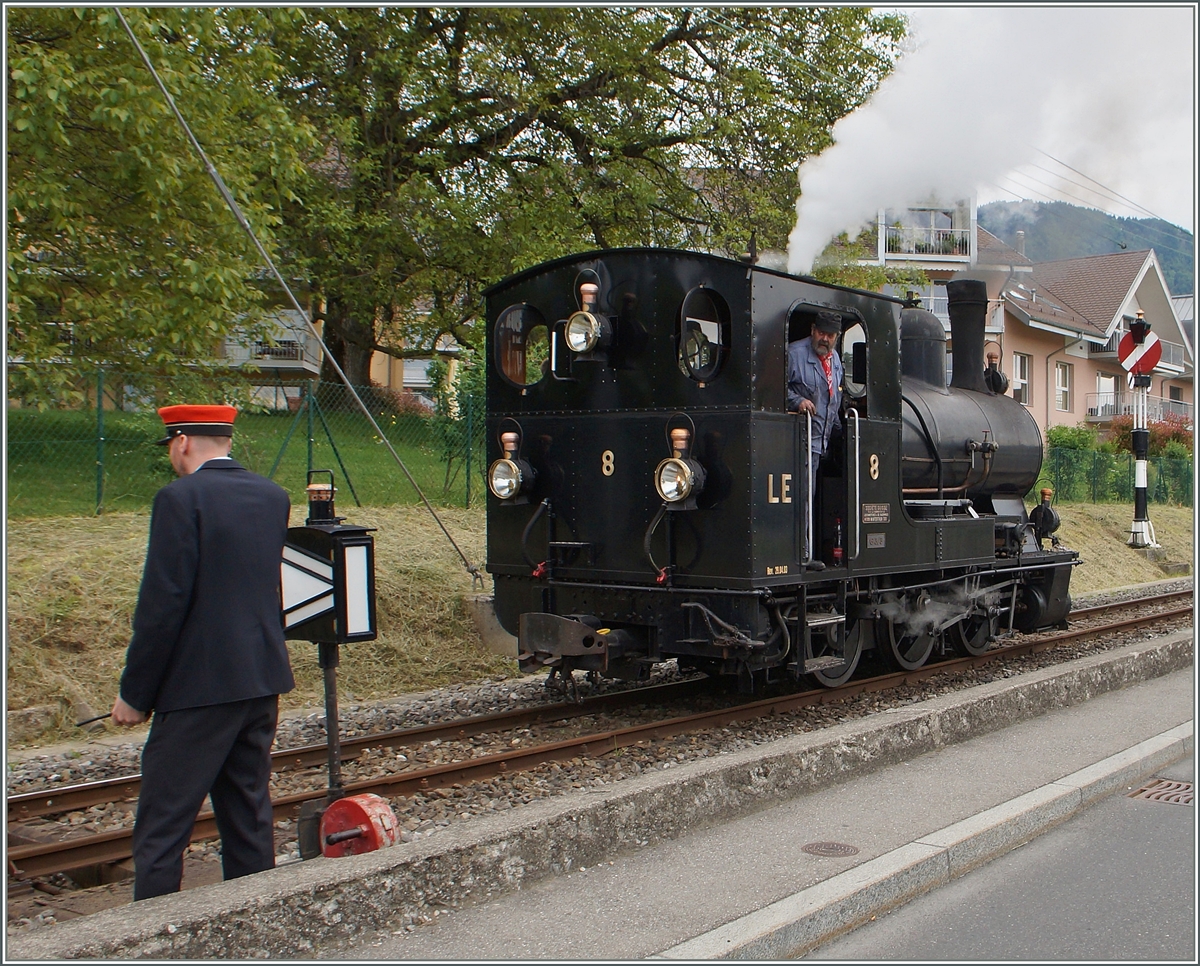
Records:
x=459, y=145
x=853, y=263
x=120, y=252
x=402, y=159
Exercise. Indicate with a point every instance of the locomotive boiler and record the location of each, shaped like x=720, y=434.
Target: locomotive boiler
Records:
x=651, y=498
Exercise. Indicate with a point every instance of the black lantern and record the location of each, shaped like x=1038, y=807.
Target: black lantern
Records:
x=328, y=597
x=1138, y=328
x=328, y=574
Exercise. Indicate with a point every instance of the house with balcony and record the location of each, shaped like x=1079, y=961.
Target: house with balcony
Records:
x=1185, y=312
x=1055, y=325
x=1061, y=328
x=287, y=356
x=945, y=241
x=290, y=355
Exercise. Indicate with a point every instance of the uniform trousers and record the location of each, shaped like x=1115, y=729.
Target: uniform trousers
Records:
x=221, y=750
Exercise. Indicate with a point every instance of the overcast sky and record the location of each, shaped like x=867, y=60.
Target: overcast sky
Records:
x=1004, y=102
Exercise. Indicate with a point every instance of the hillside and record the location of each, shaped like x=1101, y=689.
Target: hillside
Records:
x=1055, y=230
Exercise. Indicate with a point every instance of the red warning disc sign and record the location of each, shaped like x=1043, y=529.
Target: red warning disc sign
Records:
x=1139, y=359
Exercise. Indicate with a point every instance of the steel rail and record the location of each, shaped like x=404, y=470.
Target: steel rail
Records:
x=70, y=798
x=1128, y=604
x=46, y=858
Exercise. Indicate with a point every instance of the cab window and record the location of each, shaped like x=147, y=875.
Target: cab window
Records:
x=522, y=345
x=854, y=360
x=703, y=335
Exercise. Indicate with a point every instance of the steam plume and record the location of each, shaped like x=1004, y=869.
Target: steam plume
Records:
x=1107, y=90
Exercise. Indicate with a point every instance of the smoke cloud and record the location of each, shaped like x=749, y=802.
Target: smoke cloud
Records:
x=1107, y=90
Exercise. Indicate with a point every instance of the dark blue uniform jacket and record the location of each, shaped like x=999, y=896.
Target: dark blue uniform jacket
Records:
x=208, y=627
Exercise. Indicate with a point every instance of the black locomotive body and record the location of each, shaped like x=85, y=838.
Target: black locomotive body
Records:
x=650, y=497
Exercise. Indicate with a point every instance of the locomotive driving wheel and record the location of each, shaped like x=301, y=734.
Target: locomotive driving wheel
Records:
x=901, y=647
x=971, y=636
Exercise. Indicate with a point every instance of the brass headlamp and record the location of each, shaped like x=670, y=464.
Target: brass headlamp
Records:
x=678, y=479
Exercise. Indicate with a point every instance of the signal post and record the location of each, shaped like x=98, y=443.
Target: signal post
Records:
x=1139, y=352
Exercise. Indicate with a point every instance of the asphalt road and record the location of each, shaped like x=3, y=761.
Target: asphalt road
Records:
x=1118, y=882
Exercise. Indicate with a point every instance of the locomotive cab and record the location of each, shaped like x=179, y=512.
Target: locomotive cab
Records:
x=651, y=498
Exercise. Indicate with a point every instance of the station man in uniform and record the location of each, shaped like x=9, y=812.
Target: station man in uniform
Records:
x=814, y=380
x=207, y=655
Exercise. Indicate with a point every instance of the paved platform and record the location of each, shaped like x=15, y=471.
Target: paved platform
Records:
x=707, y=862
x=747, y=890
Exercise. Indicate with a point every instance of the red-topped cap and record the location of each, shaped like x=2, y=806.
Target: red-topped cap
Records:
x=187, y=420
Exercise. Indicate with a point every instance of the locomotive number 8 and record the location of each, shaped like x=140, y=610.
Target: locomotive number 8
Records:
x=848, y=546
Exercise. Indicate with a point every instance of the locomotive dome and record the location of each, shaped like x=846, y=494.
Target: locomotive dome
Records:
x=923, y=347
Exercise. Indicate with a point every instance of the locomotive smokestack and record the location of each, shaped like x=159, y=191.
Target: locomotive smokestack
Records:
x=968, y=302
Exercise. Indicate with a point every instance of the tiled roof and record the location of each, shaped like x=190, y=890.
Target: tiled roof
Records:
x=1039, y=303
x=992, y=251
x=1095, y=286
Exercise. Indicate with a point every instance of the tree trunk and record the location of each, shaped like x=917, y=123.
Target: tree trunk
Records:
x=350, y=344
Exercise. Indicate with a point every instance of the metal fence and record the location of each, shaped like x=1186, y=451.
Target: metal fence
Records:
x=1088, y=476
x=74, y=462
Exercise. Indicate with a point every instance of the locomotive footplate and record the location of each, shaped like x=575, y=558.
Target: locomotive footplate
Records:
x=545, y=640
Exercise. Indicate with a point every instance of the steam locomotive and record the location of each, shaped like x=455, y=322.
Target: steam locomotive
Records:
x=650, y=496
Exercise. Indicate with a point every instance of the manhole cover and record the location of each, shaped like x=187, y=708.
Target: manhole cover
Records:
x=833, y=850
x=1165, y=790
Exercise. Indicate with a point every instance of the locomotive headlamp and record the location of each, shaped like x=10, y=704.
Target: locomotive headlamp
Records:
x=508, y=476
x=504, y=479
x=583, y=332
x=674, y=480
x=678, y=478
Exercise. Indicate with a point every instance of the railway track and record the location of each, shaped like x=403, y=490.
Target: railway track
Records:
x=44, y=858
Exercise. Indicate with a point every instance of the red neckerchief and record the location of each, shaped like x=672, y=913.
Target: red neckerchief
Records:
x=827, y=365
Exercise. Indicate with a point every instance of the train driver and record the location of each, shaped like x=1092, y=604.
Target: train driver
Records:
x=814, y=380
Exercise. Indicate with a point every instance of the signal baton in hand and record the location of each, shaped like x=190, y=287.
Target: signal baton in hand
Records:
x=99, y=717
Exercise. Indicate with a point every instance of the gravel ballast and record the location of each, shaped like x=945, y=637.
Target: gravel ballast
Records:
x=301, y=906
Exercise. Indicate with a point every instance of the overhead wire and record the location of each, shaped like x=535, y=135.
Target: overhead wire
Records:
x=1047, y=211
x=1117, y=194
x=1144, y=224
x=473, y=570
x=1166, y=245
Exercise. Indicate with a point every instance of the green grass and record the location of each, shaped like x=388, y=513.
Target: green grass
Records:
x=53, y=459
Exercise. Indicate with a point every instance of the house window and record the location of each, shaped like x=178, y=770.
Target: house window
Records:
x=1020, y=380
x=1062, y=386
x=1175, y=393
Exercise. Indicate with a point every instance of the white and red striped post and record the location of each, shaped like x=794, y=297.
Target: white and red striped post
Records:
x=1140, y=361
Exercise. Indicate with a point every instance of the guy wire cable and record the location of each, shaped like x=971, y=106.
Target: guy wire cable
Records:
x=476, y=576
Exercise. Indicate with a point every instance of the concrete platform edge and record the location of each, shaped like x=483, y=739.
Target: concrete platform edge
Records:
x=300, y=906
x=799, y=923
